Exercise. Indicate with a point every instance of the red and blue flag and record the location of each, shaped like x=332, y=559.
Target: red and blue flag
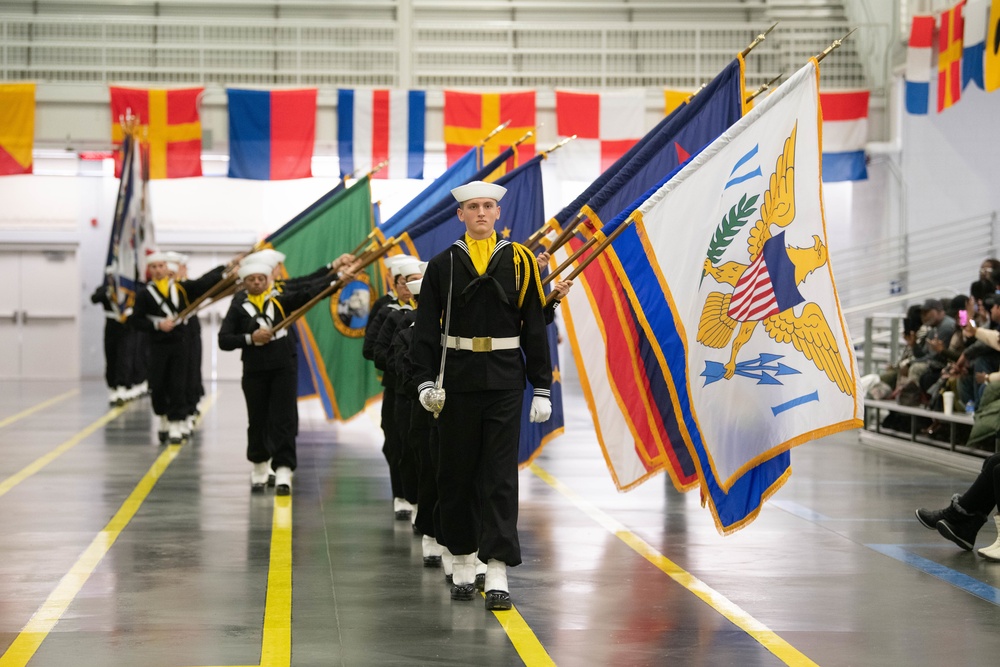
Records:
x=271, y=133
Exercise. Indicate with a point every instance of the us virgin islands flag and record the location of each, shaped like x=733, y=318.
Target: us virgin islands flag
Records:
x=728, y=271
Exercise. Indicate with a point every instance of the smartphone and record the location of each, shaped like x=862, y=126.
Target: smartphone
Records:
x=963, y=318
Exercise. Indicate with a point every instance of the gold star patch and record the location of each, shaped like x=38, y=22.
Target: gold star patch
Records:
x=556, y=376
x=506, y=232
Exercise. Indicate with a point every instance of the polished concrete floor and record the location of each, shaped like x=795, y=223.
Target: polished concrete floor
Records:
x=117, y=551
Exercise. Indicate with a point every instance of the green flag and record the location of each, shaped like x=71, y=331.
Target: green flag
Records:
x=332, y=333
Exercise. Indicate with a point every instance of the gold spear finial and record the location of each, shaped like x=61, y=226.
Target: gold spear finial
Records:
x=763, y=87
x=757, y=40
x=559, y=145
x=526, y=136
x=835, y=44
x=379, y=167
x=497, y=130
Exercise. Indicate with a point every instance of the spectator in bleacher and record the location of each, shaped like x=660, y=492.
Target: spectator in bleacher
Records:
x=954, y=371
x=928, y=362
x=893, y=376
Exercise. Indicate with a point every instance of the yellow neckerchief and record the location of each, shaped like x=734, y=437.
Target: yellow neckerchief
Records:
x=258, y=300
x=480, y=251
x=163, y=286
x=411, y=303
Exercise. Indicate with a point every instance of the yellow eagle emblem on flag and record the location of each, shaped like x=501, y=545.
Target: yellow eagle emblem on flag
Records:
x=754, y=298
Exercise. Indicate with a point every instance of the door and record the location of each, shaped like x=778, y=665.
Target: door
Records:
x=39, y=315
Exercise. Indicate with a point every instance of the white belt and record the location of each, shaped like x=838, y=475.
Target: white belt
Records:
x=481, y=343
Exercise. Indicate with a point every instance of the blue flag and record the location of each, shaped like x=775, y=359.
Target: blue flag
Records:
x=457, y=174
x=444, y=210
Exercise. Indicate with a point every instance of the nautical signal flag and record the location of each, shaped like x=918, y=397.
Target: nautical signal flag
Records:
x=845, y=131
x=919, y=59
x=169, y=124
x=470, y=117
x=606, y=125
x=271, y=133
x=378, y=125
x=17, y=127
x=991, y=59
x=974, y=41
x=949, y=88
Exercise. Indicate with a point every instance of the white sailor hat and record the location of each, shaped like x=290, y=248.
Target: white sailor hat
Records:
x=409, y=268
x=175, y=260
x=250, y=268
x=477, y=190
x=414, y=286
x=394, y=262
x=267, y=255
x=157, y=256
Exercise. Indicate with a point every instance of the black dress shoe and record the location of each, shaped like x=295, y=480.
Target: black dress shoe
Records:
x=270, y=480
x=480, y=581
x=448, y=579
x=463, y=591
x=257, y=488
x=283, y=490
x=432, y=561
x=162, y=435
x=402, y=515
x=498, y=601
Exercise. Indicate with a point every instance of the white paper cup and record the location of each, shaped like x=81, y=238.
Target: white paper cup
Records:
x=949, y=402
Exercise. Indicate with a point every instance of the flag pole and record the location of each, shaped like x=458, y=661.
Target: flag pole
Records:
x=758, y=39
x=364, y=242
x=763, y=87
x=834, y=45
x=566, y=233
x=575, y=256
x=591, y=257
x=365, y=260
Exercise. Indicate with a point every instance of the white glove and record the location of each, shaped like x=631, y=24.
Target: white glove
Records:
x=541, y=409
x=424, y=395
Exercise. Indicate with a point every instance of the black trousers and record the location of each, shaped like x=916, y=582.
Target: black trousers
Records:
x=390, y=445
x=116, y=354
x=139, y=357
x=406, y=456
x=272, y=409
x=982, y=496
x=477, y=474
x=168, y=378
x=424, y=441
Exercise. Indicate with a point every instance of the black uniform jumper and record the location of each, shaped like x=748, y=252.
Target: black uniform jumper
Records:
x=270, y=374
x=168, y=358
x=480, y=423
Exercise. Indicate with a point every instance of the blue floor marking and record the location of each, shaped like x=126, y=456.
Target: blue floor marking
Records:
x=946, y=574
x=798, y=510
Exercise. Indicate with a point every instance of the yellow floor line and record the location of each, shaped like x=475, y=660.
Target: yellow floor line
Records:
x=42, y=461
x=521, y=636
x=276, y=646
x=40, y=406
x=772, y=642
x=34, y=633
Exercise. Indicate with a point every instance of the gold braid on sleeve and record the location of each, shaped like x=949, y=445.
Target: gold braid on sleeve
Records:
x=531, y=271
